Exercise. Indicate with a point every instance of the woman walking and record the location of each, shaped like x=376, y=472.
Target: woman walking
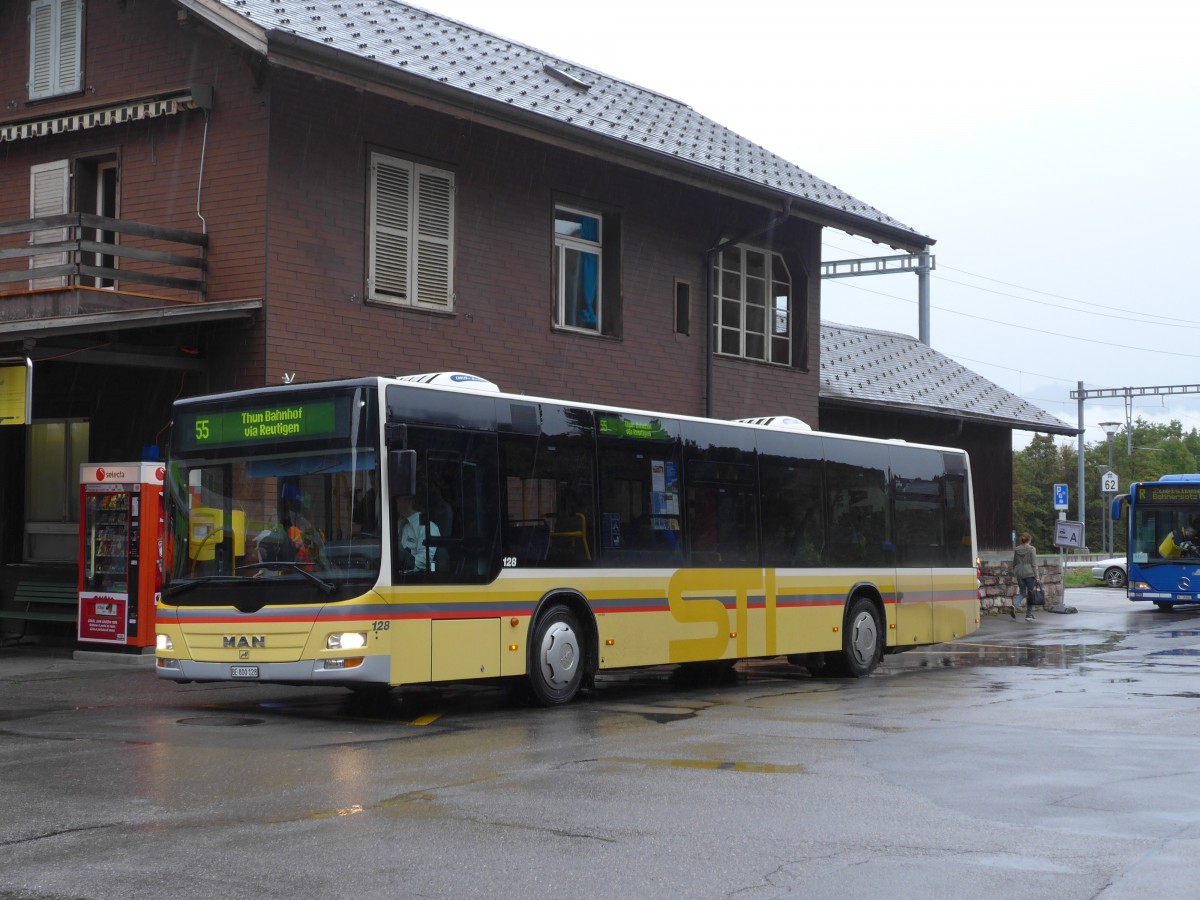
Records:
x=1025, y=571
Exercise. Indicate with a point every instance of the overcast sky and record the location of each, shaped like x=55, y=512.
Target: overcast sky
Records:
x=1051, y=147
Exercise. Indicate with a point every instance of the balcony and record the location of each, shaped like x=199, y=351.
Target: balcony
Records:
x=79, y=273
x=79, y=264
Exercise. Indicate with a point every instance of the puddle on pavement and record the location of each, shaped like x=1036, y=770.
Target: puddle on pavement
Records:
x=1047, y=656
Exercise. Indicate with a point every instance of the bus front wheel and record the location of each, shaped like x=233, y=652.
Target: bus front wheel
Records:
x=862, y=642
x=556, y=667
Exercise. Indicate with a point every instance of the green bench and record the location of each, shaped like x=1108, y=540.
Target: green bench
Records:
x=43, y=601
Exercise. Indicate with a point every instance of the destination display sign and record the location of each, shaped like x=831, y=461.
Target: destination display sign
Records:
x=258, y=424
x=628, y=427
x=1169, y=493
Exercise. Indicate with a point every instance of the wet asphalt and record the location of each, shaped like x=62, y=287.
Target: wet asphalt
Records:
x=1053, y=758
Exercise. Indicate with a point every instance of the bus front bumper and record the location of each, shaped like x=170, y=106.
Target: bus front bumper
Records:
x=371, y=670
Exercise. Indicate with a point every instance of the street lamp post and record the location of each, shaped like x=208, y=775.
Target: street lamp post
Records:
x=1106, y=526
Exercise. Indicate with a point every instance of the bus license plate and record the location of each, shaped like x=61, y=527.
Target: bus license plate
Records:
x=243, y=671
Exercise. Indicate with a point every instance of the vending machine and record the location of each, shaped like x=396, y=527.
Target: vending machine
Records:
x=120, y=551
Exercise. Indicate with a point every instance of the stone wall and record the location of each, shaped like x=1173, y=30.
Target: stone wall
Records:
x=998, y=586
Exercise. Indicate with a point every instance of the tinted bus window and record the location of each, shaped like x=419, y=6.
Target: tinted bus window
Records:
x=640, y=504
x=721, y=504
x=408, y=405
x=456, y=498
x=792, y=476
x=957, y=510
x=548, y=510
x=917, y=506
x=856, y=478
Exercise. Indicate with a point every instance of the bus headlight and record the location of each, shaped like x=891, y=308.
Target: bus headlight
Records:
x=164, y=642
x=346, y=640
x=1139, y=586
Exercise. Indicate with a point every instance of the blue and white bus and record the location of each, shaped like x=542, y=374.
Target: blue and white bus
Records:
x=1164, y=540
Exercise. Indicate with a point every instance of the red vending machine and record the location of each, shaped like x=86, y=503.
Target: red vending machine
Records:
x=120, y=551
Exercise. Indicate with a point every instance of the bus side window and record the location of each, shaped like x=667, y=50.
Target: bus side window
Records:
x=456, y=487
x=859, y=531
x=547, y=512
x=640, y=506
x=793, y=511
x=919, y=530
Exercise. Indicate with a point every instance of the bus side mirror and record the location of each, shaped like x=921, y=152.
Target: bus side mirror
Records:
x=402, y=472
x=1117, y=505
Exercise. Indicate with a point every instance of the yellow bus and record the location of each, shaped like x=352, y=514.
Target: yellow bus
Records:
x=379, y=532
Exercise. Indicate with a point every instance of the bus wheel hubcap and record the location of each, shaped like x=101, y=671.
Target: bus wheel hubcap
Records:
x=559, y=654
x=864, y=638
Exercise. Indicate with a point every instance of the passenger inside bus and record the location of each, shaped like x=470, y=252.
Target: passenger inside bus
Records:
x=414, y=528
x=1179, y=541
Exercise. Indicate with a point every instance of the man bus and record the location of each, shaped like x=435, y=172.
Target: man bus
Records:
x=560, y=539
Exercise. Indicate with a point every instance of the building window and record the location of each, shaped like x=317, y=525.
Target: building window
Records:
x=578, y=268
x=683, y=307
x=587, y=270
x=752, y=293
x=56, y=450
x=55, y=47
x=411, y=241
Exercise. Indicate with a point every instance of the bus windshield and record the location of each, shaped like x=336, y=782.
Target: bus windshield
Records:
x=261, y=495
x=1164, y=533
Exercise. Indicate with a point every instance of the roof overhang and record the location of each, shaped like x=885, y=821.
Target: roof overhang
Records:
x=142, y=313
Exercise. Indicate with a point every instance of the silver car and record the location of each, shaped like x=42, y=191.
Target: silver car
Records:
x=1111, y=571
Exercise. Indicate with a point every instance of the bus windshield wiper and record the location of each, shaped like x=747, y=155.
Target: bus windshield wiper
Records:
x=295, y=566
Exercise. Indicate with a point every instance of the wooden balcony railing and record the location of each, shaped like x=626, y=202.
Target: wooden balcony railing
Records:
x=83, y=250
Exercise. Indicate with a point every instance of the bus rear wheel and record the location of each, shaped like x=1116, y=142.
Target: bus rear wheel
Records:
x=862, y=642
x=556, y=665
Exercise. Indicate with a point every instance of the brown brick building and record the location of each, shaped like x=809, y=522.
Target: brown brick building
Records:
x=210, y=194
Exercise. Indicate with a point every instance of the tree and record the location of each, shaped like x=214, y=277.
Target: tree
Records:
x=1036, y=470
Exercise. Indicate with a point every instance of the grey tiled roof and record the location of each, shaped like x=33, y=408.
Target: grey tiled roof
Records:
x=410, y=42
x=881, y=368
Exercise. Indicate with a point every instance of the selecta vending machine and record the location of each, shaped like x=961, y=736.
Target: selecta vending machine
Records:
x=120, y=551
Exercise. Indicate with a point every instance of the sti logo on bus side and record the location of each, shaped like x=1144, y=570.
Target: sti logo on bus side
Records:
x=242, y=642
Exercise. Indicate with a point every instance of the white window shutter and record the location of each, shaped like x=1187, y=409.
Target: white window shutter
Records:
x=70, y=47
x=434, y=238
x=391, y=228
x=49, y=195
x=41, y=49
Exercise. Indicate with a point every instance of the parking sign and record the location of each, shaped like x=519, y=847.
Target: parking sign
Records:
x=1060, y=496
